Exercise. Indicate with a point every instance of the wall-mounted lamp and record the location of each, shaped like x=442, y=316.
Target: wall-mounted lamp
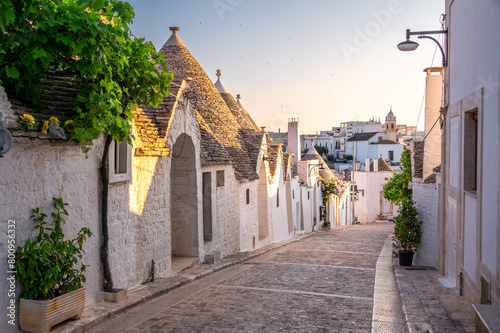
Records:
x=409, y=45
x=312, y=166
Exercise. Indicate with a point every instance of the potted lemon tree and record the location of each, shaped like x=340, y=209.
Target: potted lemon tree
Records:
x=49, y=273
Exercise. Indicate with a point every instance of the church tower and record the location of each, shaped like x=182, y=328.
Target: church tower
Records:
x=390, y=126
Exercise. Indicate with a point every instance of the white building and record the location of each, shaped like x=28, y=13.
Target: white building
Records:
x=373, y=145
x=371, y=205
x=471, y=173
x=190, y=186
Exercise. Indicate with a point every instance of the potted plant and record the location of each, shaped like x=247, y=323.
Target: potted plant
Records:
x=407, y=232
x=51, y=282
x=326, y=225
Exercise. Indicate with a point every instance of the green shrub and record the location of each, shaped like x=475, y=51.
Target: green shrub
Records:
x=408, y=229
x=46, y=266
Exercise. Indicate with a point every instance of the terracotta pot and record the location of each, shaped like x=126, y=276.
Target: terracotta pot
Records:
x=40, y=316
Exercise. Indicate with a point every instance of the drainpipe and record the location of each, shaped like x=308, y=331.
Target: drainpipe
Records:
x=442, y=211
x=442, y=194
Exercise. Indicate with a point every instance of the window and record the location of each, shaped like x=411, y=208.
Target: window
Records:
x=121, y=157
x=248, y=196
x=391, y=155
x=278, y=198
x=307, y=195
x=293, y=194
x=207, y=205
x=220, y=178
x=120, y=160
x=470, y=151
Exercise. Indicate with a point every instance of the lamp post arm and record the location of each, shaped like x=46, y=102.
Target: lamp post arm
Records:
x=431, y=32
x=445, y=62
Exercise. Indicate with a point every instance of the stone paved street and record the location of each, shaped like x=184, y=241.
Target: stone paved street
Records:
x=324, y=283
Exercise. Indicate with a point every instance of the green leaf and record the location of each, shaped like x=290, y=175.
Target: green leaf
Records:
x=12, y=72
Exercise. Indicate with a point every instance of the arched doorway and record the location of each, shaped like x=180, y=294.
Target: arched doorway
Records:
x=183, y=202
x=262, y=203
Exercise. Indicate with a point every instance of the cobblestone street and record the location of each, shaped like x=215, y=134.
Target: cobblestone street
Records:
x=323, y=283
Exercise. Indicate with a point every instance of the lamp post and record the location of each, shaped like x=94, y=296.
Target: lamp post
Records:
x=409, y=45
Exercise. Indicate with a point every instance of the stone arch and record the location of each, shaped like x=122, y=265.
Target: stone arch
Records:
x=262, y=203
x=184, y=207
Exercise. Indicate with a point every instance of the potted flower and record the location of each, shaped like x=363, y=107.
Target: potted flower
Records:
x=326, y=225
x=51, y=282
x=407, y=232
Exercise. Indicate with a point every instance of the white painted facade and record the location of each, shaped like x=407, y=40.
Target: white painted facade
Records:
x=370, y=202
x=426, y=197
x=472, y=78
x=371, y=148
x=141, y=206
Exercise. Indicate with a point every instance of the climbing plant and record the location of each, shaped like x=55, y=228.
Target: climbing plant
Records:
x=90, y=41
x=397, y=188
x=332, y=186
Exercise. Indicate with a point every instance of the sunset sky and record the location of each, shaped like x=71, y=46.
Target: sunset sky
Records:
x=322, y=61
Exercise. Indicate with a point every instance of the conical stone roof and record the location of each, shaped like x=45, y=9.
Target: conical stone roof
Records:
x=312, y=154
x=242, y=116
x=221, y=134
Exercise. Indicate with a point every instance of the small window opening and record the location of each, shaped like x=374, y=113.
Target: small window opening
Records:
x=220, y=178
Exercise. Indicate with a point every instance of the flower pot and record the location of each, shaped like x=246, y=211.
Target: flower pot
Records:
x=40, y=316
x=405, y=258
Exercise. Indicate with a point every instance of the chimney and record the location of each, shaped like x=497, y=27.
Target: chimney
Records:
x=375, y=165
x=367, y=164
x=263, y=129
x=293, y=147
x=358, y=165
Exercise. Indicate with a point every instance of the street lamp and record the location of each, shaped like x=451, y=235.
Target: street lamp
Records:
x=409, y=45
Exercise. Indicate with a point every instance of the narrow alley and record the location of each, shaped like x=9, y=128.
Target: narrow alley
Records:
x=335, y=281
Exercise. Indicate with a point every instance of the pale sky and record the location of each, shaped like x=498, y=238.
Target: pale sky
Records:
x=323, y=61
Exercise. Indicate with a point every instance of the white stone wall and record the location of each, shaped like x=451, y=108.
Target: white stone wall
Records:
x=139, y=220
x=34, y=172
x=426, y=202
x=367, y=207
x=474, y=41
x=249, y=228
x=279, y=215
x=226, y=212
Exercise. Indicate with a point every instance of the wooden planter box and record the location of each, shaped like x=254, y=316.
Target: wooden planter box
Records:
x=40, y=316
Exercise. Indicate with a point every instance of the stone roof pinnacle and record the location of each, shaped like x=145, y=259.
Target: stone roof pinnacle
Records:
x=174, y=39
x=220, y=87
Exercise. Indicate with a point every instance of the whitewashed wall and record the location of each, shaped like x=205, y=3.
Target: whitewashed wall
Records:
x=249, y=229
x=426, y=202
x=367, y=207
x=226, y=212
x=473, y=40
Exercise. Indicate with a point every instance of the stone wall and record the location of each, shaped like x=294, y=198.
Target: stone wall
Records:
x=34, y=172
x=426, y=202
x=249, y=228
x=226, y=213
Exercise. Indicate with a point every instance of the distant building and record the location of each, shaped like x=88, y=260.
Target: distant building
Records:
x=336, y=139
